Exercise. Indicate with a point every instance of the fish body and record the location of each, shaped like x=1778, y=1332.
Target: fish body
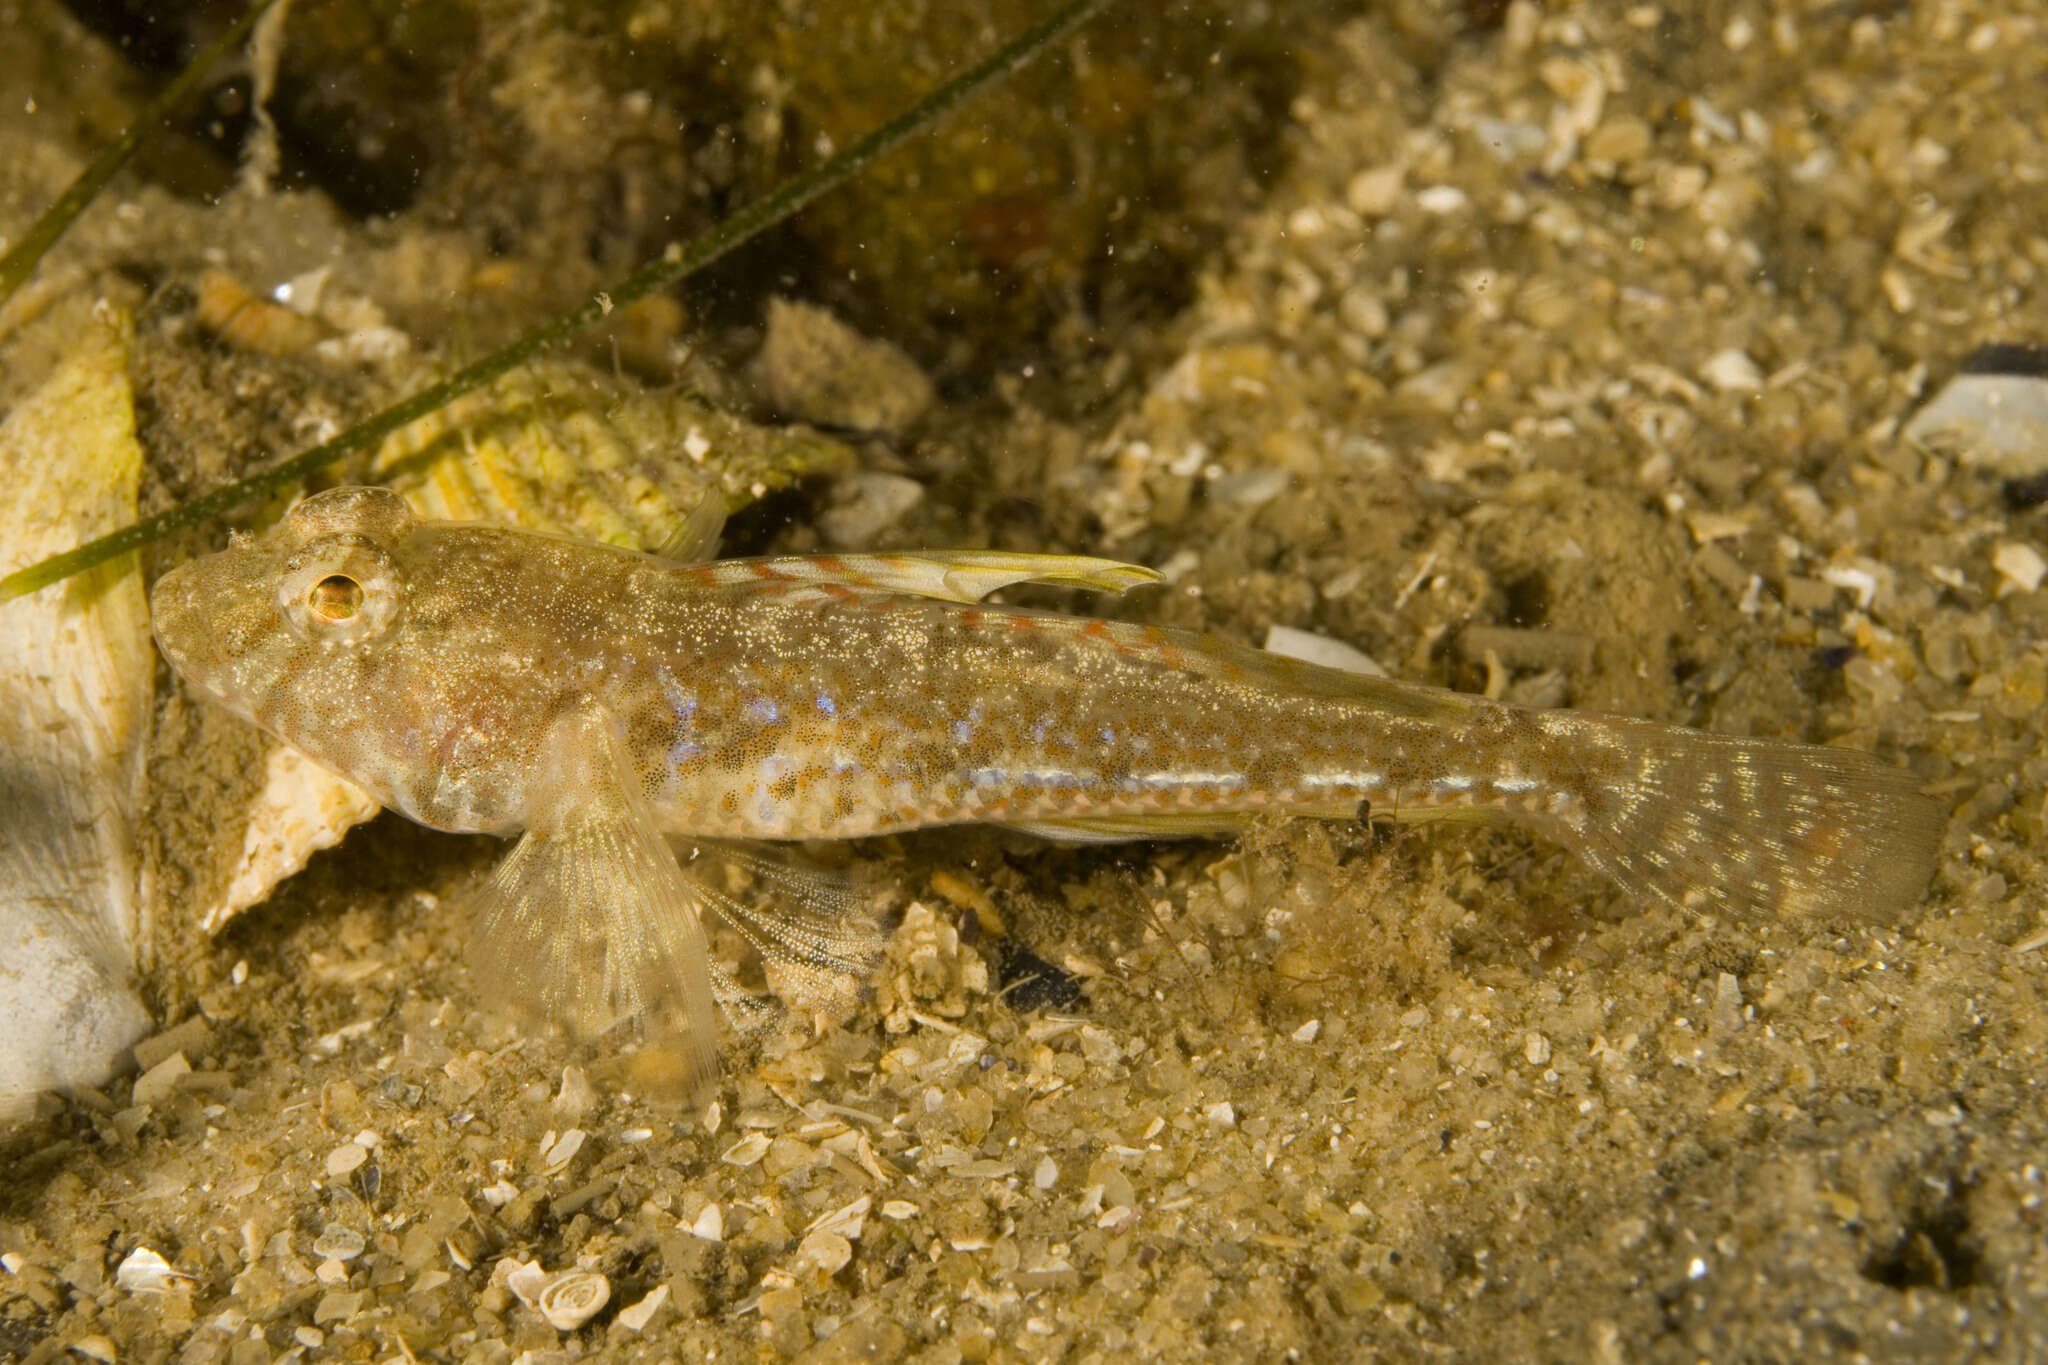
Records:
x=594, y=700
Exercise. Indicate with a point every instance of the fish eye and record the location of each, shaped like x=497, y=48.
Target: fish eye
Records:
x=340, y=590
x=335, y=598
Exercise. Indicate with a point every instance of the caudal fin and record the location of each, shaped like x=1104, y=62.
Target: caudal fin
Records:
x=1711, y=821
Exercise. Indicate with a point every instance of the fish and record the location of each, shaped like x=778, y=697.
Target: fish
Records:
x=596, y=703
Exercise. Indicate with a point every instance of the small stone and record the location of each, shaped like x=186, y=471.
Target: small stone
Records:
x=1375, y=192
x=747, y=1151
x=94, y=1346
x=818, y=369
x=1623, y=139
x=144, y=1271
x=848, y=1221
x=1442, y=199
x=825, y=1252
x=563, y=1150
x=337, y=1306
x=1308, y=1032
x=338, y=1243
x=1536, y=1049
x=346, y=1158
x=709, y=1225
x=575, y=1098
x=1992, y=420
x=2019, y=564
x=1732, y=371
x=1044, y=1177
x=161, y=1081
x=866, y=504
x=1223, y=1114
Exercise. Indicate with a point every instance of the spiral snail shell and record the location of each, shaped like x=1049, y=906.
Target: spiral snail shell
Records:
x=572, y=1298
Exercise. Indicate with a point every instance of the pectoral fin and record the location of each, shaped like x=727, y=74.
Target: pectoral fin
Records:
x=964, y=576
x=589, y=920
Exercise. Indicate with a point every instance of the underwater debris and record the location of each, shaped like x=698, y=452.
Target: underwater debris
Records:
x=818, y=369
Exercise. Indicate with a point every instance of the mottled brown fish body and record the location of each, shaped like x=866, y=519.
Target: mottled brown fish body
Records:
x=482, y=678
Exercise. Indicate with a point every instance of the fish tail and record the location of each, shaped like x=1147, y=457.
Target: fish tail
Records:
x=1706, y=821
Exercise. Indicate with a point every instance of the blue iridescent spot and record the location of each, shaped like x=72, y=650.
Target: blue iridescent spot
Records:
x=682, y=703
x=826, y=705
x=764, y=710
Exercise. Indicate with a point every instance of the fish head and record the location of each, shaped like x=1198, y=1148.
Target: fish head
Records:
x=294, y=630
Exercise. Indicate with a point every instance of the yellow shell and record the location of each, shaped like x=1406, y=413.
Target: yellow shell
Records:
x=558, y=448
x=77, y=893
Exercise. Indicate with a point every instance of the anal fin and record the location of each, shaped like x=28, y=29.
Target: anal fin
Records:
x=1111, y=829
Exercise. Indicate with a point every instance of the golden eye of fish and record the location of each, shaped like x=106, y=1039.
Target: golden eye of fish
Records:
x=335, y=598
x=340, y=590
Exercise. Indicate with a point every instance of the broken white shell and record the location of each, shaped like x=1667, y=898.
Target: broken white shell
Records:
x=76, y=680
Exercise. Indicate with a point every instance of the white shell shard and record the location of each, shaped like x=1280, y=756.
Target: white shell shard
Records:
x=300, y=809
x=76, y=680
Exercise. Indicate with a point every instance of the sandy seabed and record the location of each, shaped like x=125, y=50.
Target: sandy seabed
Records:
x=1564, y=357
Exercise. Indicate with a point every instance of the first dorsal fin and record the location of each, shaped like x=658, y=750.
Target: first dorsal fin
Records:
x=964, y=576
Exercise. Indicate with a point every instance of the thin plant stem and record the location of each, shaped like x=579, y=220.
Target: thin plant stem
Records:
x=22, y=258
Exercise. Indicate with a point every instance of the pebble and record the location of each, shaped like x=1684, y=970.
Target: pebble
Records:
x=1732, y=371
x=2019, y=564
x=144, y=1271
x=338, y=1243
x=160, y=1082
x=709, y=1224
x=346, y=1158
x=825, y=1252
x=563, y=1150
